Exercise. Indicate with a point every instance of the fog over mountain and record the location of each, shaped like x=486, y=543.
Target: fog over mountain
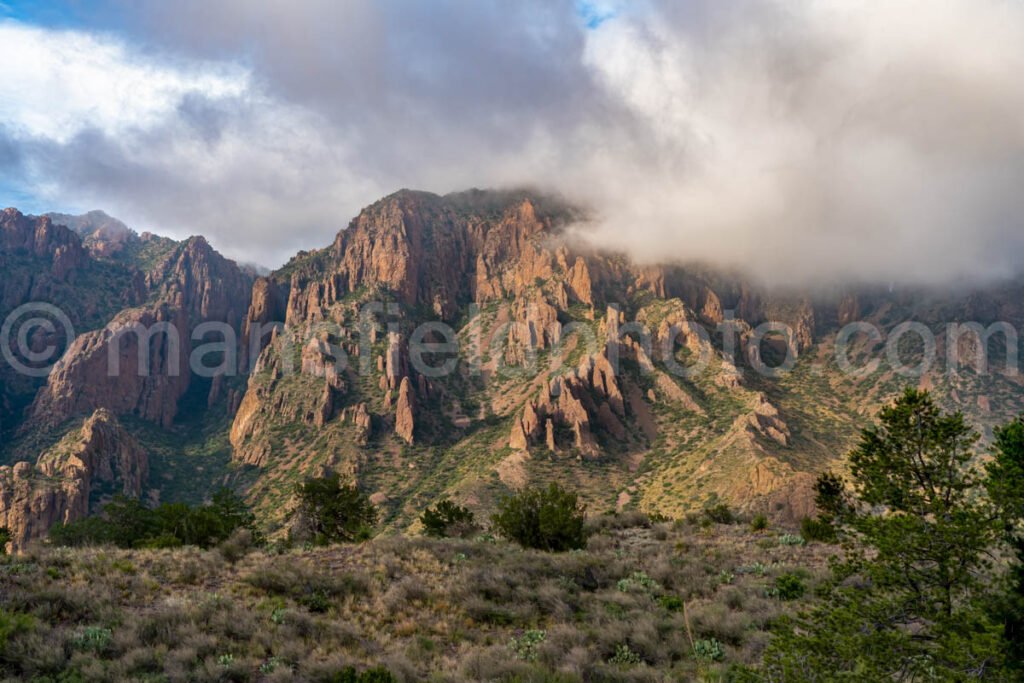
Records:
x=804, y=142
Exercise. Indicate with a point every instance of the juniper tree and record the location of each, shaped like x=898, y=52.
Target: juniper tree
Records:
x=910, y=598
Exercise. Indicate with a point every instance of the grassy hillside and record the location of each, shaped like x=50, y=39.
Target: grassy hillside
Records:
x=644, y=602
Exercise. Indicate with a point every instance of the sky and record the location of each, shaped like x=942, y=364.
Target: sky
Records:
x=818, y=141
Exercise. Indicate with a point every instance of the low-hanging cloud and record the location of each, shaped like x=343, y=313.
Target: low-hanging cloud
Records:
x=820, y=141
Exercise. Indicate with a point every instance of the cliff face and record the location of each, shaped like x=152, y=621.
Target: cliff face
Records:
x=102, y=235
x=45, y=262
x=139, y=362
x=65, y=480
x=432, y=257
x=554, y=380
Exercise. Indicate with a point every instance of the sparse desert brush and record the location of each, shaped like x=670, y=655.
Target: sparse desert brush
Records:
x=421, y=608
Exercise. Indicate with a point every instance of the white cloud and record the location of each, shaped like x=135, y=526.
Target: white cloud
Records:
x=174, y=145
x=55, y=84
x=809, y=141
x=822, y=140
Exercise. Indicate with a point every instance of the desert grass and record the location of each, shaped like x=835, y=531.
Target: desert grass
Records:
x=645, y=601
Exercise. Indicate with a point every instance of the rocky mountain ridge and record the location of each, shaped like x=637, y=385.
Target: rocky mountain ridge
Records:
x=66, y=481
x=635, y=384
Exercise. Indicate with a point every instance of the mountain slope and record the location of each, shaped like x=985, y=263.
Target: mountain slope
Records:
x=638, y=385
x=542, y=401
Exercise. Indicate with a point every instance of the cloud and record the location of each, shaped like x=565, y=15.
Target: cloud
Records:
x=803, y=142
x=820, y=140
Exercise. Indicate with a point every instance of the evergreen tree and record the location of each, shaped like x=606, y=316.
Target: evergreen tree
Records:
x=543, y=518
x=1006, y=487
x=448, y=519
x=910, y=599
x=330, y=512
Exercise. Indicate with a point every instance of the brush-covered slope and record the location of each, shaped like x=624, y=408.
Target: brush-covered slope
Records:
x=553, y=381
x=634, y=384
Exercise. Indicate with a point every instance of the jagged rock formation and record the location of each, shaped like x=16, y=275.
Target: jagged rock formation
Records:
x=63, y=483
x=587, y=397
x=404, y=412
x=139, y=362
x=45, y=262
x=104, y=236
x=583, y=356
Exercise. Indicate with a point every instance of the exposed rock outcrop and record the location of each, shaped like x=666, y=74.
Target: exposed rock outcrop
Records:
x=589, y=395
x=63, y=483
x=405, y=412
x=103, y=235
x=139, y=363
x=765, y=420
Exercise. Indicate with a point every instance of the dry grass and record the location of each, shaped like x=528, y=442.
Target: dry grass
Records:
x=424, y=609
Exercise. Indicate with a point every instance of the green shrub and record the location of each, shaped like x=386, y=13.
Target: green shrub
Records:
x=315, y=601
x=14, y=624
x=820, y=530
x=128, y=523
x=548, y=518
x=673, y=603
x=759, y=523
x=719, y=514
x=791, y=539
x=448, y=519
x=330, y=512
x=5, y=538
x=789, y=587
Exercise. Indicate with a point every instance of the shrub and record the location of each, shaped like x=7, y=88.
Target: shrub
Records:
x=128, y=523
x=549, y=519
x=448, y=519
x=13, y=624
x=791, y=539
x=5, y=538
x=820, y=530
x=638, y=582
x=720, y=514
x=789, y=587
x=672, y=603
x=330, y=512
x=759, y=523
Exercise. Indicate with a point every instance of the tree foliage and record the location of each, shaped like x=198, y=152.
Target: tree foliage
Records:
x=448, y=519
x=913, y=597
x=128, y=523
x=548, y=518
x=331, y=512
x=1006, y=487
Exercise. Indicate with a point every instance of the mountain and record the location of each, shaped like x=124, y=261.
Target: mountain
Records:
x=639, y=437
x=636, y=384
x=179, y=285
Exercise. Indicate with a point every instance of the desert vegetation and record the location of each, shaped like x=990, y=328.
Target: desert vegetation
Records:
x=643, y=600
x=911, y=571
